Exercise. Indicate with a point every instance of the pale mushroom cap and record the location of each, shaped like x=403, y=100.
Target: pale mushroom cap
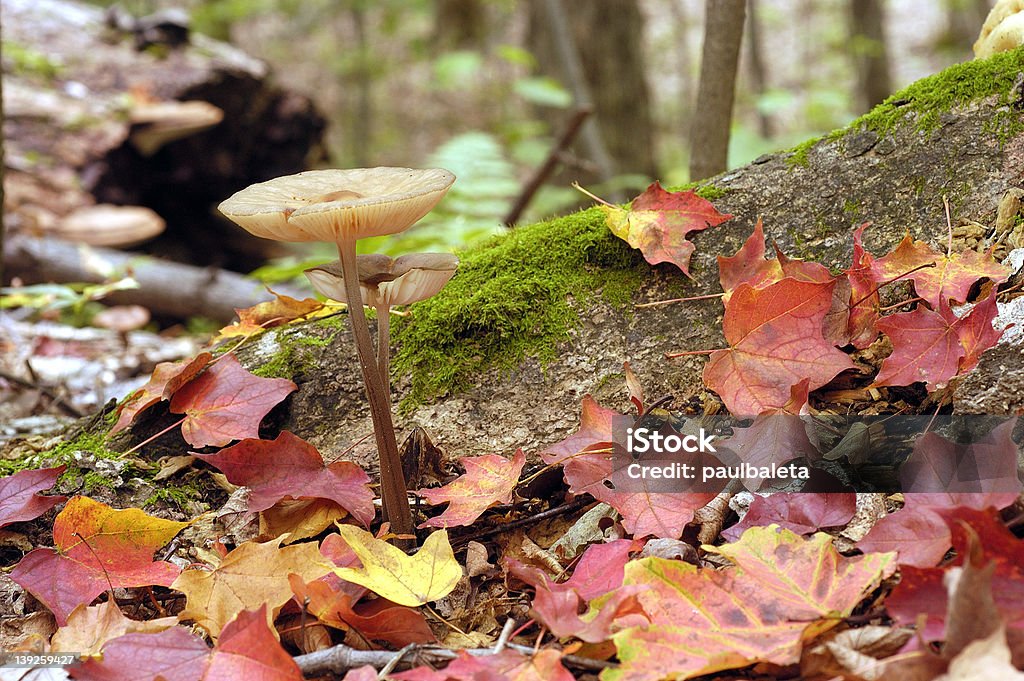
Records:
x=333, y=205
x=1002, y=30
x=383, y=281
x=109, y=225
x=161, y=122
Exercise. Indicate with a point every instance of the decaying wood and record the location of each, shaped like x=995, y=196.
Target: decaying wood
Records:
x=166, y=288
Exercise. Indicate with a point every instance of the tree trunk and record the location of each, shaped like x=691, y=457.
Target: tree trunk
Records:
x=870, y=54
x=758, y=70
x=709, y=136
x=460, y=25
x=607, y=74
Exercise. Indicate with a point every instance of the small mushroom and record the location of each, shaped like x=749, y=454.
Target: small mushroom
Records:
x=110, y=225
x=1003, y=29
x=154, y=124
x=342, y=206
x=384, y=282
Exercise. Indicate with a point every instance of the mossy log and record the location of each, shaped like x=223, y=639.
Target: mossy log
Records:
x=540, y=317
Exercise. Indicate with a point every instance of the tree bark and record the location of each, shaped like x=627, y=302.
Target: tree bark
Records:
x=758, y=70
x=870, y=52
x=709, y=136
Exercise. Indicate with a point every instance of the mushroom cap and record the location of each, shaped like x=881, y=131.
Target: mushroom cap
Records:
x=383, y=281
x=109, y=225
x=157, y=123
x=1003, y=36
x=334, y=205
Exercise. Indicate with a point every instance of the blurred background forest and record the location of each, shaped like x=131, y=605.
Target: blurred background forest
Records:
x=485, y=87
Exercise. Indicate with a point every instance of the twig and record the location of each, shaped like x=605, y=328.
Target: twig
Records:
x=57, y=400
x=506, y=634
x=340, y=658
x=547, y=167
x=573, y=505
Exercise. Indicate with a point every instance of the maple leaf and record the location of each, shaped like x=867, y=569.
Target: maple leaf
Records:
x=748, y=265
x=268, y=314
x=167, y=378
x=247, y=649
x=864, y=298
x=782, y=591
x=799, y=512
x=378, y=620
x=951, y=278
x=288, y=466
x=300, y=518
x=938, y=475
x=250, y=576
x=96, y=548
x=89, y=628
x=227, y=403
x=775, y=341
x=976, y=332
x=508, y=665
x=922, y=593
x=589, y=464
x=600, y=571
x=431, y=573
x=488, y=480
x=659, y=221
x=19, y=494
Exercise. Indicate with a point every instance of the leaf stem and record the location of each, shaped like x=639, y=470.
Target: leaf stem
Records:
x=673, y=355
x=889, y=281
x=577, y=187
x=656, y=303
x=156, y=435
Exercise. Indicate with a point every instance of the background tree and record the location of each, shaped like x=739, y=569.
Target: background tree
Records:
x=757, y=68
x=709, y=136
x=870, y=52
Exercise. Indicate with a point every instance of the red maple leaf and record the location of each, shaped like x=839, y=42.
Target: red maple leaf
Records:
x=19, y=494
x=227, y=403
x=864, y=299
x=508, y=665
x=659, y=221
x=935, y=346
x=951, y=277
x=938, y=475
x=96, y=548
x=801, y=512
x=291, y=467
x=167, y=378
x=775, y=341
x=488, y=480
x=748, y=265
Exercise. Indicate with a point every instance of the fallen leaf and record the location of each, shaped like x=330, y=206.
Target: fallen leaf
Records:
x=20, y=497
x=508, y=665
x=775, y=341
x=799, y=512
x=659, y=221
x=290, y=467
x=864, y=298
x=268, y=314
x=748, y=265
x=488, y=480
x=300, y=518
x=951, y=278
x=251, y=576
x=775, y=437
x=89, y=628
x=167, y=379
x=783, y=591
x=431, y=573
x=96, y=548
x=227, y=403
x=984, y=660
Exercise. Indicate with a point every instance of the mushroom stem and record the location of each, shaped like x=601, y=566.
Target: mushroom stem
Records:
x=384, y=346
x=394, y=493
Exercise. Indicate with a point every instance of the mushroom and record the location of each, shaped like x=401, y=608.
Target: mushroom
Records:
x=384, y=282
x=110, y=225
x=154, y=124
x=1003, y=29
x=342, y=206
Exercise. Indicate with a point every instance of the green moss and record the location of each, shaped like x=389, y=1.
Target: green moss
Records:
x=513, y=297
x=296, y=355
x=798, y=154
x=93, y=481
x=178, y=496
x=704, y=189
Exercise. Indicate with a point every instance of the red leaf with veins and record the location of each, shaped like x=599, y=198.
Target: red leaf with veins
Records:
x=291, y=467
x=951, y=278
x=748, y=265
x=167, y=378
x=801, y=512
x=659, y=221
x=488, y=480
x=19, y=494
x=775, y=341
x=508, y=665
x=864, y=299
x=938, y=475
x=595, y=427
x=227, y=403
x=976, y=331
x=925, y=347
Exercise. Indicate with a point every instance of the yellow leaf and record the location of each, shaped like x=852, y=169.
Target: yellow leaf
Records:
x=431, y=573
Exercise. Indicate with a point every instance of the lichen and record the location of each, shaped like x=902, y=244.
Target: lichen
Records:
x=294, y=355
x=515, y=296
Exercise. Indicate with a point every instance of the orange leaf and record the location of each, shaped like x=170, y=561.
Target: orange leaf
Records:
x=775, y=339
x=167, y=378
x=268, y=314
x=227, y=403
x=97, y=548
x=488, y=480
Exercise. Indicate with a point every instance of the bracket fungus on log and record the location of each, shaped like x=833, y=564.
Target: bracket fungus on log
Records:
x=342, y=206
x=384, y=282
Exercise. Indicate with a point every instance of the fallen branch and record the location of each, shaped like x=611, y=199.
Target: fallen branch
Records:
x=166, y=288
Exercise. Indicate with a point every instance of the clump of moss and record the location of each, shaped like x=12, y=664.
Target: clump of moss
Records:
x=512, y=297
x=295, y=356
